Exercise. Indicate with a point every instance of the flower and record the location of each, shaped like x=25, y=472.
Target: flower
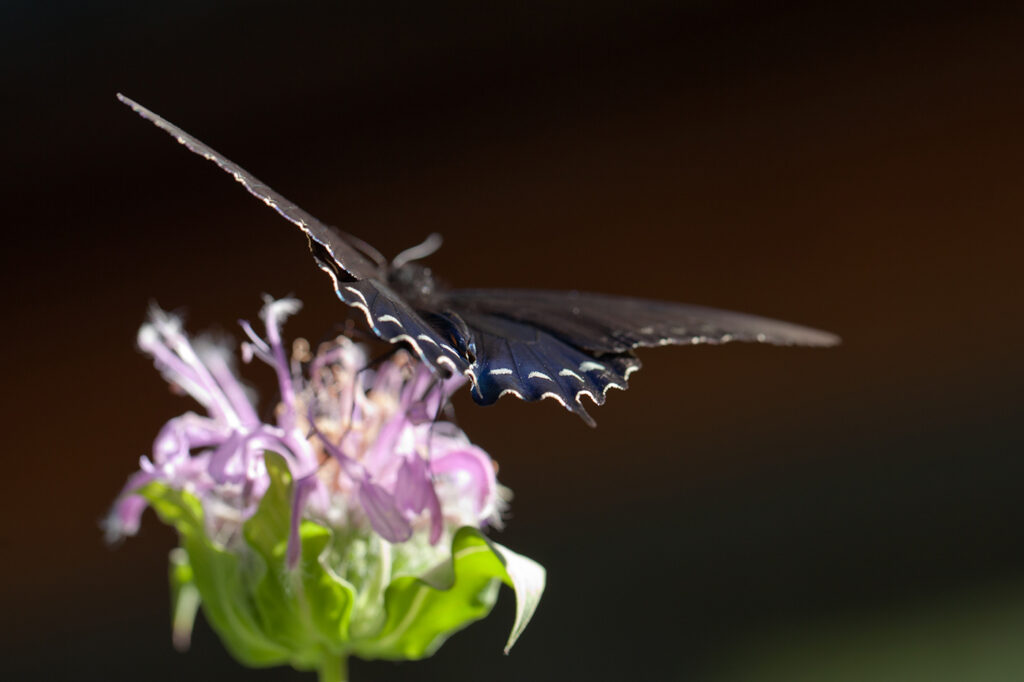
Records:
x=362, y=444
x=358, y=459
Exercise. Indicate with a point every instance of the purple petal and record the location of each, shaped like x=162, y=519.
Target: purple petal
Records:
x=384, y=514
x=227, y=464
x=382, y=450
x=220, y=369
x=303, y=488
x=413, y=486
x=418, y=413
x=471, y=468
x=295, y=450
x=124, y=518
x=425, y=395
x=178, y=361
x=274, y=314
x=414, y=492
x=183, y=434
x=439, y=393
x=436, y=519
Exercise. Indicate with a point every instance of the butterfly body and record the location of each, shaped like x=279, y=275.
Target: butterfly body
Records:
x=533, y=344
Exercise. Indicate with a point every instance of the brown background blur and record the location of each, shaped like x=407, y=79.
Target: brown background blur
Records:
x=742, y=513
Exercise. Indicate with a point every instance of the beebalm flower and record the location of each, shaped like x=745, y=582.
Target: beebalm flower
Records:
x=351, y=524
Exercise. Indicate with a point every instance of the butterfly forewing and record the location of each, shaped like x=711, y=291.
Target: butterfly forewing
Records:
x=342, y=251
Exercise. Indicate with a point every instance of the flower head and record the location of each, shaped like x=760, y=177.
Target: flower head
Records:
x=350, y=522
x=364, y=445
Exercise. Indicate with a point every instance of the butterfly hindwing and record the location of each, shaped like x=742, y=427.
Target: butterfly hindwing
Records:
x=521, y=359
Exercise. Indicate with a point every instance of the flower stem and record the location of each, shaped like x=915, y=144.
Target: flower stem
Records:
x=334, y=669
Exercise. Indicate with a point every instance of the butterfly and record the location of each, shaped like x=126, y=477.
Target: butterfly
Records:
x=531, y=344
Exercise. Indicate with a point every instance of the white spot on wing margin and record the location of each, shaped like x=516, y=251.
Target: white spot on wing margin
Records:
x=554, y=396
x=570, y=373
x=389, y=318
x=357, y=293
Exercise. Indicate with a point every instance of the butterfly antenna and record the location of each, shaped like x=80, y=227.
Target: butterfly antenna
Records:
x=367, y=250
x=421, y=250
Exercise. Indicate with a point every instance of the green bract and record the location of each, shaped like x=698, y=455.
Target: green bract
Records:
x=341, y=599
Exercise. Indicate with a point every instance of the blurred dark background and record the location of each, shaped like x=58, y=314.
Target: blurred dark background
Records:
x=742, y=513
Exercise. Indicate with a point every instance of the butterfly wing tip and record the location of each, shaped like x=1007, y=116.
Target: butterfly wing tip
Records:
x=127, y=101
x=584, y=415
x=826, y=340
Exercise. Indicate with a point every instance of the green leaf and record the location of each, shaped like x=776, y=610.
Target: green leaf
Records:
x=527, y=579
x=267, y=614
x=307, y=609
x=185, y=599
x=264, y=613
x=423, y=612
x=216, y=574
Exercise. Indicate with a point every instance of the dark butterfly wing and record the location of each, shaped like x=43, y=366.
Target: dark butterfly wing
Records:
x=341, y=248
x=394, y=320
x=614, y=324
x=531, y=344
x=512, y=357
x=337, y=254
x=566, y=345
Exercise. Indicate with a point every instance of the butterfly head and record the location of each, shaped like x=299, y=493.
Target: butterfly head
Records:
x=413, y=281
